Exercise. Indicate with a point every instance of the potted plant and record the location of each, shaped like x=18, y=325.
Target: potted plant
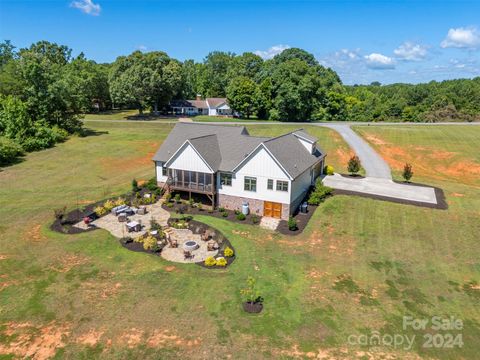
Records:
x=253, y=301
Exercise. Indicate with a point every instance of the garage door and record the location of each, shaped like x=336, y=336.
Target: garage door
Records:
x=272, y=209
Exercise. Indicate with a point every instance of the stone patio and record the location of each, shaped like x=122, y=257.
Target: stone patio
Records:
x=269, y=223
x=110, y=222
x=176, y=254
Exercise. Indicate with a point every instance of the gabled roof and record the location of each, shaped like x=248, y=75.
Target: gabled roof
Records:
x=304, y=135
x=199, y=104
x=216, y=102
x=225, y=147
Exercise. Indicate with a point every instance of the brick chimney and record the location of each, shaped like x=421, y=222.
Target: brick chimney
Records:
x=199, y=97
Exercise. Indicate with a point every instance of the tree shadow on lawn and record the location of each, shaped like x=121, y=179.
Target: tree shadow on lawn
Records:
x=87, y=132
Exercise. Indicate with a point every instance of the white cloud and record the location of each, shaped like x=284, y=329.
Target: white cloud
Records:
x=141, y=47
x=409, y=51
x=271, y=52
x=378, y=61
x=87, y=7
x=467, y=38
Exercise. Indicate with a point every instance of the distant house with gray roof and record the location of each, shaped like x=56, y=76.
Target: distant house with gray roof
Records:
x=231, y=167
x=209, y=106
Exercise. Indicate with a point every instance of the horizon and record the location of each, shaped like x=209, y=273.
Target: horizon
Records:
x=395, y=42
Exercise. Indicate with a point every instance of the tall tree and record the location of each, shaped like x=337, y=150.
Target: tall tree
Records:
x=242, y=95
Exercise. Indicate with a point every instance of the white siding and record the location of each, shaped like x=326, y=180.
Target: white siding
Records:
x=188, y=159
x=301, y=184
x=263, y=167
x=160, y=177
x=212, y=112
x=307, y=145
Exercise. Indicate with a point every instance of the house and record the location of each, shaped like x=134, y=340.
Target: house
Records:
x=209, y=106
x=272, y=175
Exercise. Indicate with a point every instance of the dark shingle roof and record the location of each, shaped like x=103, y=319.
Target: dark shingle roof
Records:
x=224, y=147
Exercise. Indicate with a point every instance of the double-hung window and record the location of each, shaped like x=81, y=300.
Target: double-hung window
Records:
x=226, y=179
x=282, y=185
x=270, y=184
x=164, y=171
x=250, y=184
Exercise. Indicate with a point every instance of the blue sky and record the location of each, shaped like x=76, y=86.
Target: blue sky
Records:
x=364, y=41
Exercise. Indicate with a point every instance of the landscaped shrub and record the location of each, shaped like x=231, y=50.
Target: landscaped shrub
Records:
x=135, y=187
x=139, y=239
x=319, y=194
x=407, y=172
x=224, y=214
x=221, y=209
x=119, y=202
x=154, y=225
x=177, y=198
x=150, y=243
x=237, y=211
x=170, y=205
x=228, y=252
x=292, y=224
x=241, y=216
x=108, y=205
x=255, y=219
x=354, y=165
x=168, y=197
x=191, y=202
x=210, y=261
x=329, y=170
x=100, y=210
x=200, y=207
x=152, y=184
x=59, y=213
x=221, y=261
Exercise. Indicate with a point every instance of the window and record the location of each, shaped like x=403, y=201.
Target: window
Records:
x=226, y=179
x=282, y=185
x=164, y=171
x=250, y=184
x=270, y=184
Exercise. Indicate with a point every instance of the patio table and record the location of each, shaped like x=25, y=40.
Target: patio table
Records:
x=133, y=226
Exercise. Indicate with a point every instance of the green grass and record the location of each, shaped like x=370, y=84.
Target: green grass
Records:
x=359, y=266
x=206, y=118
x=123, y=115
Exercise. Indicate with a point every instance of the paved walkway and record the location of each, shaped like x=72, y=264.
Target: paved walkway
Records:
x=373, y=163
x=382, y=187
x=269, y=223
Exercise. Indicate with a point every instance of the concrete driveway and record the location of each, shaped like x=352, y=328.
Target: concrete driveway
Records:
x=383, y=187
x=373, y=163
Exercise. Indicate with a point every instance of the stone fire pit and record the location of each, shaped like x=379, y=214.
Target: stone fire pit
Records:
x=190, y=245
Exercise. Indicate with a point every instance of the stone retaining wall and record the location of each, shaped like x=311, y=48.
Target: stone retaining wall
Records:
x=235, y=203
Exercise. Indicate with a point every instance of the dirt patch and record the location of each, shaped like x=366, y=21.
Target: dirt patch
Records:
x=4, y=257
x=375, y=139
x=36, y=342
x=95, y=290
x=343, y=155
x=163, y=338
x=170, y=268
x=68, y=262
x=112, y=163
x=132, y=338
x=90, y=338
x=441, y=155
x=34, y=233
x=457, y=195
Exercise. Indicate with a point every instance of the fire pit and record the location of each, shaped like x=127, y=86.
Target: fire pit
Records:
x=190, y=245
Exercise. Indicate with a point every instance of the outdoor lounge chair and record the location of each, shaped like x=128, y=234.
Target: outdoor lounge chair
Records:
x=187, y=254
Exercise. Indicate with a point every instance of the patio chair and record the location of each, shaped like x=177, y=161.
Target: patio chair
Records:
x=187, y=254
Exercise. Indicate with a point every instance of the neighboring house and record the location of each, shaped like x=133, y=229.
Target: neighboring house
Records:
x=272, y=175
x=209, y=106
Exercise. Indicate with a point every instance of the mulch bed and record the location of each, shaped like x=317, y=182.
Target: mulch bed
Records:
x=439, y=194
x=302, y=221
x=177, y=208
x=137, y=247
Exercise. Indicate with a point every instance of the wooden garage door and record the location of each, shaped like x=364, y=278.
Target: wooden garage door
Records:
x=272, y=209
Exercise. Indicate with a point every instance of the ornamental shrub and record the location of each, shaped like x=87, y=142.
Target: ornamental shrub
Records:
x=224, y=214
x=354, y=165
x=210, y=261
x=100, y=210
x=119, y=201
x=221, y=261
x=292, y=224
x=170, y=205
x=241, y=216
x=228, y=252
x=329, y=170
x=255, y=219
x=407, y=172
x=168, y=197
x=108, y=205
x=149, y=243
x=135, y=187
x=319, y=194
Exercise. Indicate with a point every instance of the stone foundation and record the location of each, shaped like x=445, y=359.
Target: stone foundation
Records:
x=256, y=206
x=235, y=203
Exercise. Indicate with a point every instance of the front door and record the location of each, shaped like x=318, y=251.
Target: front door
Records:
x=272, y=209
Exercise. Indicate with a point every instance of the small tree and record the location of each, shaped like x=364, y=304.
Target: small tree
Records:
x=135, y=186
x=407, y=172
x=354, y=165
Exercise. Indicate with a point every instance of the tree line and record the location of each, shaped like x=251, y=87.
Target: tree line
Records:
x=44, y=90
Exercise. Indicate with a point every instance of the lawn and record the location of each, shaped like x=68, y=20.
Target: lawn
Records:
x=359, y=267
x=123, y=115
